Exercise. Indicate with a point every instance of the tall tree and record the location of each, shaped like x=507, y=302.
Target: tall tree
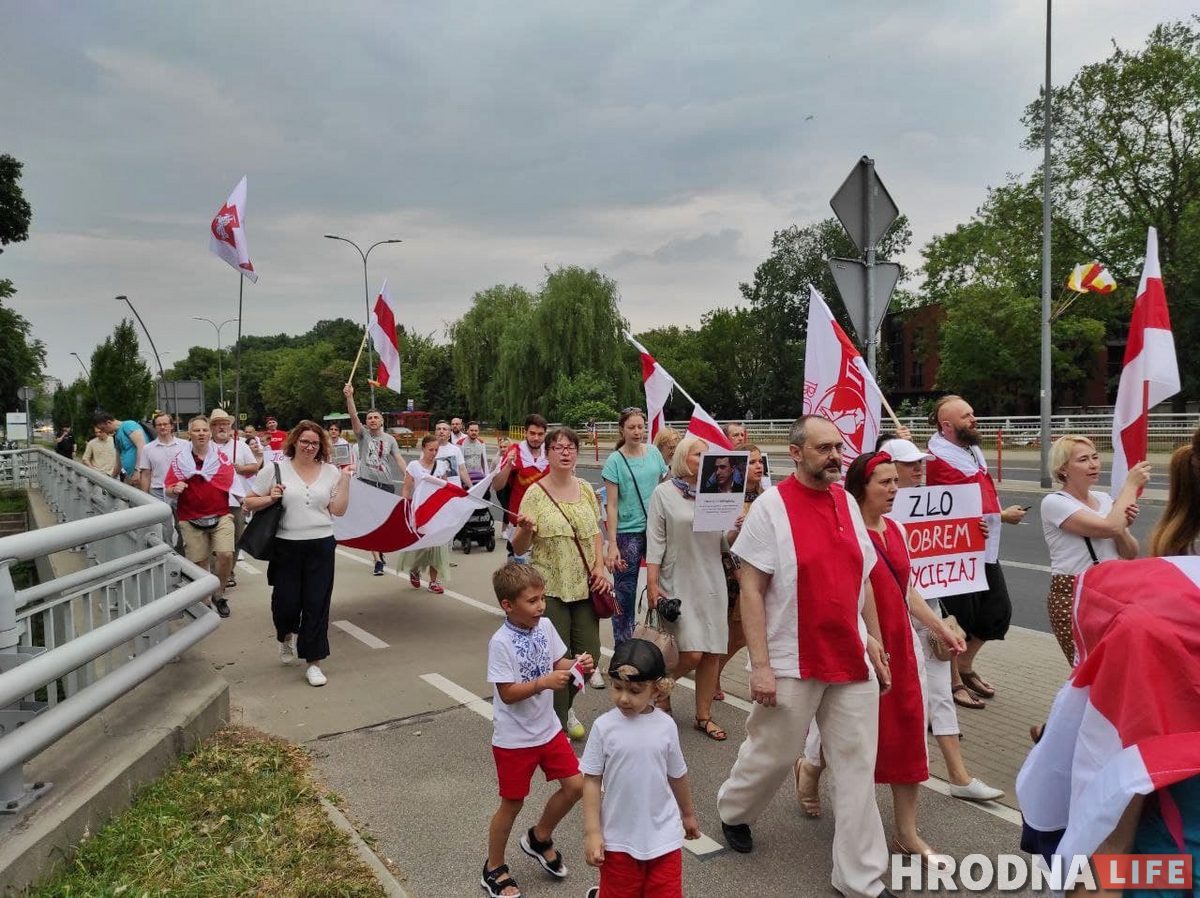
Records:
x=21, y=358
x=122, y=379
x=476, y=340
x=1126, y=156
x=15, y=213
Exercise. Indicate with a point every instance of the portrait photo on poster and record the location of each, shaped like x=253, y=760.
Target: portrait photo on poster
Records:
x=722, y=485
x=766, y=463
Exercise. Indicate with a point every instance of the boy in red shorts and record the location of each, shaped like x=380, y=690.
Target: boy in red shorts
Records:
x=526, y=663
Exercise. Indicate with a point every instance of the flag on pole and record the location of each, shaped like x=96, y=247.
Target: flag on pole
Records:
x=1150, y=374
x=702, y=425
x=658, y=384
x=384, y=338
x=228, y=233
x=1119, y=729
x=384, y=522
x=837, y=382
x=1091, y=278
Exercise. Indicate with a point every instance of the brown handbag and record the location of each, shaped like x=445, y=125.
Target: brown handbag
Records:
x=603, y=597
x=648, y=630
x=937, y=645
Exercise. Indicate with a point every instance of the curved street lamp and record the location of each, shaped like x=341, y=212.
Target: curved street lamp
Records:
x=366, y=294
x=88, y=374
x=220, y=374
x=162, y=378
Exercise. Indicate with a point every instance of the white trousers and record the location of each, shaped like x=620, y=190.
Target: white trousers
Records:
x=848, y=715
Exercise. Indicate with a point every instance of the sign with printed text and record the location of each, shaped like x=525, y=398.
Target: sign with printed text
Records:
x=945, y=541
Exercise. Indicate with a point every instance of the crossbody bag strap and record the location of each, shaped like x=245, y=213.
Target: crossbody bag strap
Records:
x=1087, y=540
x=881, y=547
x=575, y=536
x=635, y=483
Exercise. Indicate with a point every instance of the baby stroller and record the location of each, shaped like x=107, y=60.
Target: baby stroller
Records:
x=480, y=529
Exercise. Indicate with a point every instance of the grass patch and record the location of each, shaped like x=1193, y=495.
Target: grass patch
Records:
x=12, y=501
x=240, y=816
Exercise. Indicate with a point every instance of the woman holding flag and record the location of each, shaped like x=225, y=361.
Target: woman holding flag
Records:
x=436, y=558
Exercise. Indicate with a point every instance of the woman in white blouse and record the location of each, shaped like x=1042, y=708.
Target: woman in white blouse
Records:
x=300, y=572
x=1083, y=527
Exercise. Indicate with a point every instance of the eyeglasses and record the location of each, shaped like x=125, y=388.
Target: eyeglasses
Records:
x=565, y=448
x=632, y=410
x=308, y=444
x=827, y=448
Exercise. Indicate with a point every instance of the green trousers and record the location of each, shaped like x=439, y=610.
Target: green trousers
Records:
x=579, y=628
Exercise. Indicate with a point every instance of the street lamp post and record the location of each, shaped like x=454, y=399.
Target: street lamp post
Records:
x=88, y=374
x=366, y=293
x=220, y=374
x=162, y=377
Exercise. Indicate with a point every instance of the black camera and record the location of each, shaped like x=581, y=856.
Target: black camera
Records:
x=668, y=609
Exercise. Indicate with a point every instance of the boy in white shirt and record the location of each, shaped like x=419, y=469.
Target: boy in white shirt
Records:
x=526, y=663
x=632, y=827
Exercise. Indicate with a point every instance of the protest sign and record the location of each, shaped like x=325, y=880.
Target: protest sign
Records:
x=945, y=543
x=722, y=490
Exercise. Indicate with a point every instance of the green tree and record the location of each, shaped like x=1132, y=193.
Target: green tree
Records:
x=678, y=350
x=728, y=341
x=305, y=382
x=15, y=213
x=1126, y=155
x=476, y=338
x=21, y=358
x=577, y=400
x=123, y=381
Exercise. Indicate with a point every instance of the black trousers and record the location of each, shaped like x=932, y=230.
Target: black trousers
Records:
x=301, y=574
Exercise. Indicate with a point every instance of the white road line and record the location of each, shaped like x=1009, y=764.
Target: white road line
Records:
x=703, y=846
x=1024, y=565
x=458, y=596
x=246, y=568
x=464, y=697
x=371, y=642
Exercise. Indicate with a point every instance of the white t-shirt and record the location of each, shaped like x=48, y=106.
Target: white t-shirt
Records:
x=1068, y=552
x=305, y=506
x=521, y=656
x=449, y=460
x=157, y=456
x=635, y=756
x=766, y=542
x=245, y=456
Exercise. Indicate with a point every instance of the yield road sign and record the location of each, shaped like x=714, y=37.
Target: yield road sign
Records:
x=864, y=206
x=850, y=275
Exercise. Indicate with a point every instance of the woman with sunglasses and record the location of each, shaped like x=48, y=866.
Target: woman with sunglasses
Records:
x=559, y=518
x=313, y=493
x=631, y=474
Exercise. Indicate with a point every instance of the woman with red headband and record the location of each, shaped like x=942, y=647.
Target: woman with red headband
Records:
x=901, y=759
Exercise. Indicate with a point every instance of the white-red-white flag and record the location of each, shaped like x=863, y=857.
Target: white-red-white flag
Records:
x=837, y=382
x=703, y=425
x=227, y=237
x=384, y=522
x=382, y=329
x=1150, y=374
x=658, y=384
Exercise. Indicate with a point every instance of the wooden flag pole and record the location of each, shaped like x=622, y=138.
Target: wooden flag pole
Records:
x=886, y=405
x=358, y=358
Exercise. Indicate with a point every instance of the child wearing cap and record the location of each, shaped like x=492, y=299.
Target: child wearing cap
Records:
x=526, y=664
x=632, y=827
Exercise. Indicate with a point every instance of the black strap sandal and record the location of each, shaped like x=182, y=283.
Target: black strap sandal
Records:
x=537, y=850
x=494, y=882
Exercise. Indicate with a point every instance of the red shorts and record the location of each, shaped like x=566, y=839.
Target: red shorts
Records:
x=515, y=766
x=623, y=876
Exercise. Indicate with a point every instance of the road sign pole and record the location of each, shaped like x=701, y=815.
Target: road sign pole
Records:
x=869, y=218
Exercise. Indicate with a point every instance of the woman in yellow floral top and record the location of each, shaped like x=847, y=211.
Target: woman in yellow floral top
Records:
x=556, y=511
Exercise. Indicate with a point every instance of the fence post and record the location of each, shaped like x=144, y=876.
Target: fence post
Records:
x=1000, y=455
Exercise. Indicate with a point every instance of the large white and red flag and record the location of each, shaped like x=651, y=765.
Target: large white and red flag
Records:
x=384, y=338
x=837, y=382
x=1150, y=374
x=227, y=237
x=704, y=426
x=384, y=522
x=658, y=384
x=1127, y=722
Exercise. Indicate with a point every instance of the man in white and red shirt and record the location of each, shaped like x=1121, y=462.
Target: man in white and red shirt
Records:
x=523, y=465
x=813, y=638
x=273, y=438
x=957, y=459
x=246, y=464
x=200, y=480
x=457, y=435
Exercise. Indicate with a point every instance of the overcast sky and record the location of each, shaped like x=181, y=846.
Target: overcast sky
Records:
x=662, y=142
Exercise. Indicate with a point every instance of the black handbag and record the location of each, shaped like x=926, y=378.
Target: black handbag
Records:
x=258, y=539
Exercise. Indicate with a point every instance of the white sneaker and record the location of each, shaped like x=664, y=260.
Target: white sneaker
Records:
x=314, y=676
x=575, y=729
x=287, y=650
x=976, y=790
x=597, y=680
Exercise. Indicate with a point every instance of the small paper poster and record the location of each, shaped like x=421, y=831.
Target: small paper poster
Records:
x=722, y=489
x=945, y=542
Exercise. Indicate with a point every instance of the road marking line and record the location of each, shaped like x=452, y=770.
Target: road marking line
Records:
x=371, y=642
x=246, y=568
x=703, y=846
x=458, y=596
x=1024, y=565
x=464, y=697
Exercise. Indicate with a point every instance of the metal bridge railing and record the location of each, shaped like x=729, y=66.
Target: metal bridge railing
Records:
x=72, y=645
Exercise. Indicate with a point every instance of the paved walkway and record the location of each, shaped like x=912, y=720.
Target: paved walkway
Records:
x=402, y=732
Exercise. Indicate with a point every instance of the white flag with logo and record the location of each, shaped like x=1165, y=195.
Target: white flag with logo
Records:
x=227, y=233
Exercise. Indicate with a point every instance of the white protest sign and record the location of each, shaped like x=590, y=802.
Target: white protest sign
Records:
x=722, y=490
x=941, y=526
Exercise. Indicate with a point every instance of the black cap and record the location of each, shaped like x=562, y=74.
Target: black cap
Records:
x=637, y=661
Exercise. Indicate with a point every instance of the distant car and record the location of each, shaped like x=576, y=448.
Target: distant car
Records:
x=405, y=438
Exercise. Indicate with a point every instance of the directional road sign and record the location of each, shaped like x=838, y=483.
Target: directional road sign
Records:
x=863, y=205
x=850, y=275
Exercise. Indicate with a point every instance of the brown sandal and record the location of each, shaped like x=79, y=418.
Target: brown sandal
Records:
x=976, y=684
x=967, y=699
x=711, y=729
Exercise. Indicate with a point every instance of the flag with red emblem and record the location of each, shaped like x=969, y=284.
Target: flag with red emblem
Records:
x=227, y=233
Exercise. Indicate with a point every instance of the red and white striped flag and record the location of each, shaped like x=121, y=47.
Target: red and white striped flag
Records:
x=1150, y=374
x=704, y=426
x=1127, y=723
x=658, y=384
x=837, y=382
x=385, y=340
x=384, y=522
x=227, y=237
